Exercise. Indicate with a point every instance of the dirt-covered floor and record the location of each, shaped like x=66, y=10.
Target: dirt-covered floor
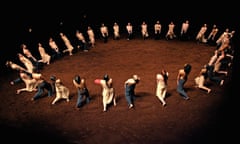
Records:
x=202, y=119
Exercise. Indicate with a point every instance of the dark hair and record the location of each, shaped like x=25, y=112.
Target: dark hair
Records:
x=165, y=75
x=137, y=80
x=53, y=78
x=77, y=79
x=187, y=68
x=22, y=45
x=106, y=77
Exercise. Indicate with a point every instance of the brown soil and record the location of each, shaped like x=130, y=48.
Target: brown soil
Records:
x=198, y=120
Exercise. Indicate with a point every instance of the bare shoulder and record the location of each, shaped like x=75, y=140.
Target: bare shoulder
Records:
x=181, y=71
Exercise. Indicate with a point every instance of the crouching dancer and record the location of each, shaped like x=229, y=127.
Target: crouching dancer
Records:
x=80, y=84
x=62, y=92
x=108, y=92
x=42, y=85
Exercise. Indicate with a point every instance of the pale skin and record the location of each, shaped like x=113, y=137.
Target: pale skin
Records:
x=81, y=85
x=202, y=80
x=107, y=92
x=181, y=75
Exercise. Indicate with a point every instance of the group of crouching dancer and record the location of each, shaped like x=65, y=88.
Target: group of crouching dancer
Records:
x=36, y=82
x=42, y=86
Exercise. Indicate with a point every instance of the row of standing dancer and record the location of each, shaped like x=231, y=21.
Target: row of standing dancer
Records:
x=83, y=44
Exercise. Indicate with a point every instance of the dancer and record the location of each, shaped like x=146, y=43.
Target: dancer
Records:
x=116, y=34
x=62, y=92
x=200, y=80
x=129, y=29
x=67, y=44
x=82, y=90
x=161, y=90
x=157, y=30
x=42, y=85
x=170, y=33
x=201, y=34
x=30, y=83
x=108, y=91
x=104, y=32
x=182, y=78
x=45, y=57
x=130, y=85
